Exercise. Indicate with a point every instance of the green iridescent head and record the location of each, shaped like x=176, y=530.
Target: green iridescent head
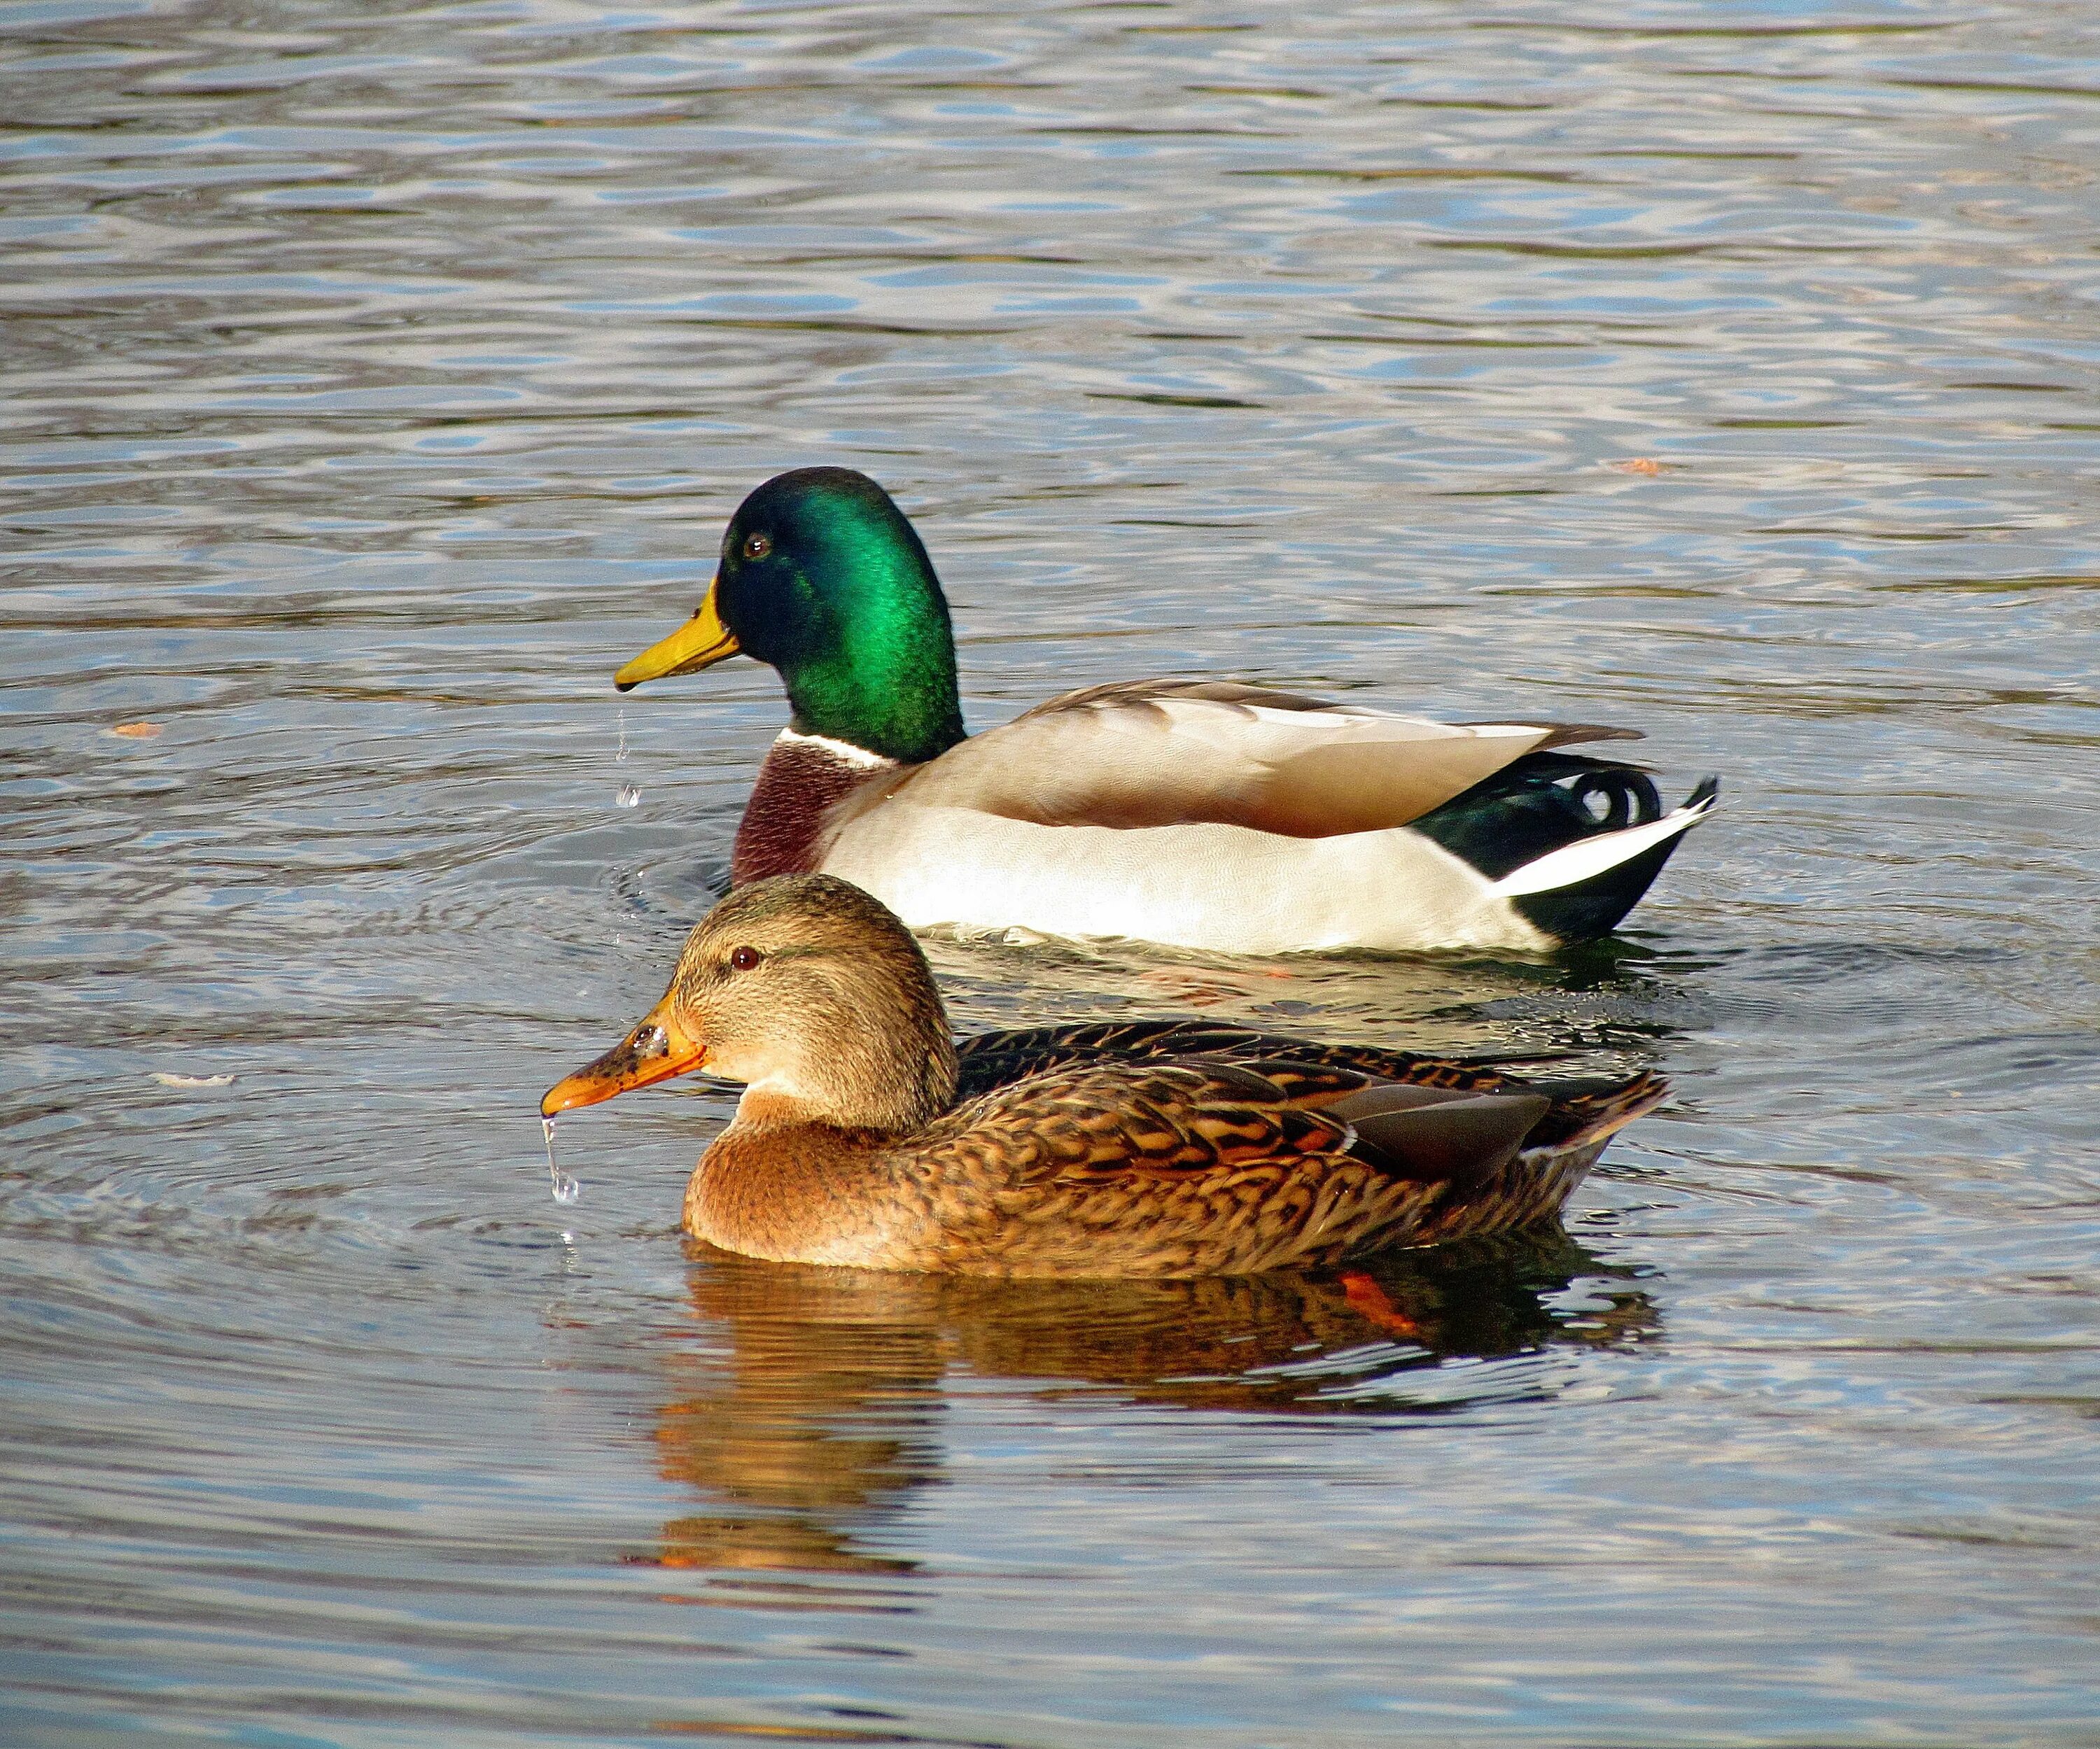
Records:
x=822, y=577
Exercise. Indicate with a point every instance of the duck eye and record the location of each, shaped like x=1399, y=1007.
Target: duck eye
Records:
x=744, y=958
x=757, y=546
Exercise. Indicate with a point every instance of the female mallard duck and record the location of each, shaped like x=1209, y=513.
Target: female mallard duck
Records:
x=1201, y=813
x=866, y=1137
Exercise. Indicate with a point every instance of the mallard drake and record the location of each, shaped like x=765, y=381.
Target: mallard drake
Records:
x=1201, y=813
x=866, y=1137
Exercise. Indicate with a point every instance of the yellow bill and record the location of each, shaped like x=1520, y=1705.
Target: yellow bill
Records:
x=700, y=643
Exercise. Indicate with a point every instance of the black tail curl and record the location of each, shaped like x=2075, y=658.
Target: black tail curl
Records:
x=1538, y=804
x=1543, y=802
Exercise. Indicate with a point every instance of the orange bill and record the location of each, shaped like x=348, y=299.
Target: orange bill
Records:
x=654, y=1050
x=700, y=643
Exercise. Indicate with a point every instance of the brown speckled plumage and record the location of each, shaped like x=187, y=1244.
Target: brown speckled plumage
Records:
x=1164, y=1148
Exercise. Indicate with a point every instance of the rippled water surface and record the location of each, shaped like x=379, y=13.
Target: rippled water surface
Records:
x=375, y=378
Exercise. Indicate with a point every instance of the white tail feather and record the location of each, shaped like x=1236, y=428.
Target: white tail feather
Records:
x=1586, y=857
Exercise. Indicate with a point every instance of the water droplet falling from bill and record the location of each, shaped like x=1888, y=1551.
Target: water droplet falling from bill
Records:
x=565, y=1189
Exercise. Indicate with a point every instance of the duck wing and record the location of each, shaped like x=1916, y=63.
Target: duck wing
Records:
x=992, y=1059
x=1182, y=1166
x=1169, y=752
x=1173, y=1169
x=1109, y=1120
x=1360, y=1084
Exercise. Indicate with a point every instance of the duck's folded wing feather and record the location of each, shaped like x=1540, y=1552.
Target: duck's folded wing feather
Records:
x=1135, y=1120
x=1103, y=1119
x=1305, y=1067
x=1442, y=1134
x=1170, y=752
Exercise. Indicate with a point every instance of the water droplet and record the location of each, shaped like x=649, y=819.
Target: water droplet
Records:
x=621, y=757
x=628, y=797
x=565, y=1189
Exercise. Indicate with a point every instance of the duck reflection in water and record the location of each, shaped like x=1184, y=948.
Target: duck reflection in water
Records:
x=809, y=1416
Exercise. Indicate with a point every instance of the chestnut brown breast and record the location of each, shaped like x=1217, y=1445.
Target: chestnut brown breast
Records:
x=783, y=826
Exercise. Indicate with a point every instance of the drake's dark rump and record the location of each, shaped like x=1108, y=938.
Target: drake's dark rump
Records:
x=1546, y=801
x=1536, y=805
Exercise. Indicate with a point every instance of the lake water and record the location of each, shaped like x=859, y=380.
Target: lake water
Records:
x=374, y=379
